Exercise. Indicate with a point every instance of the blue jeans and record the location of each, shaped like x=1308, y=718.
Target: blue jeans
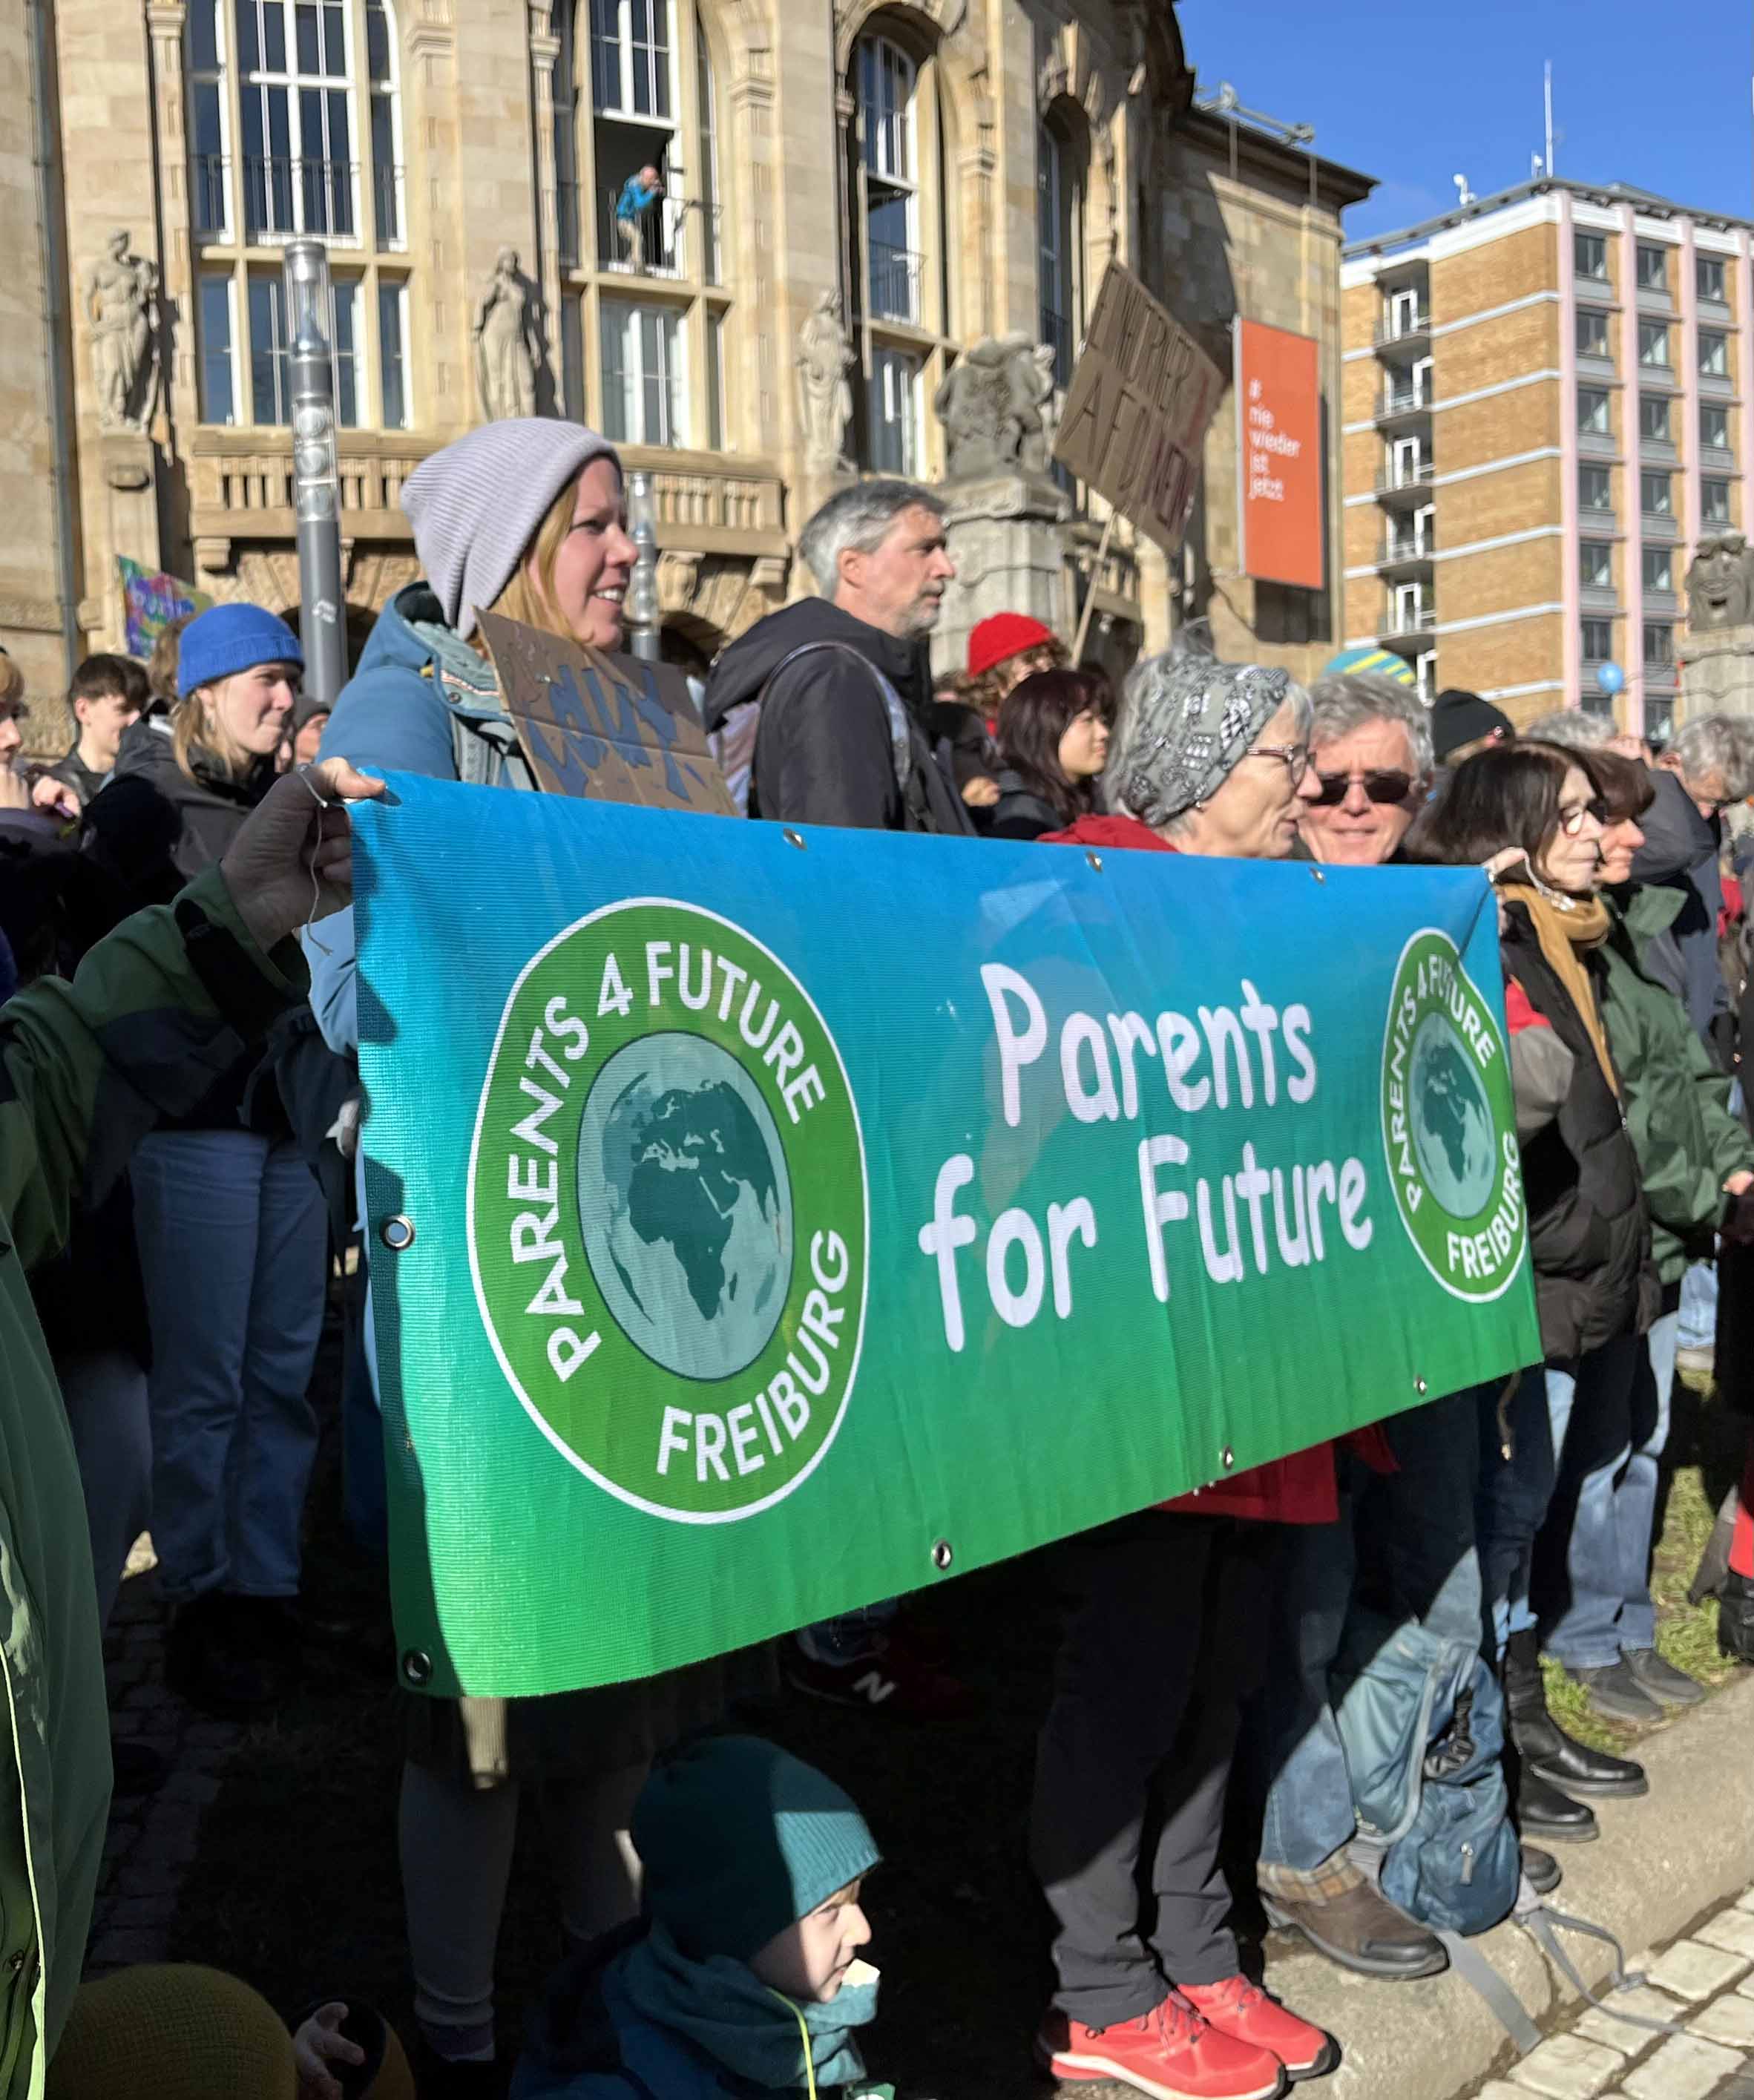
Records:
x=1570, y=1430
x=1698, y=1306
x=1404, y=1545
x=1635, y=1492
x=233, y=1252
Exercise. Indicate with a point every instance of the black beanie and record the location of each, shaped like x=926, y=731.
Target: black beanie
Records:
x=1460, y=717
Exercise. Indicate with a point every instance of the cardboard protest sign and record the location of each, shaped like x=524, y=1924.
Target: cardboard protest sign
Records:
x=605, y=729
x=1136, y=413
x=754, y=1237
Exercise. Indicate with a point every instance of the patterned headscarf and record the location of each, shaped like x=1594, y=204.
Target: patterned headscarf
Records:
x=1185, y=723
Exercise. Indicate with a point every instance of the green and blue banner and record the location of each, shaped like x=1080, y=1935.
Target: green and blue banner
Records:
x=764, y=1221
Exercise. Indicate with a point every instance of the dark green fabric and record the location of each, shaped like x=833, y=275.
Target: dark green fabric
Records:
x=1675, y=1099
x=738, y=1839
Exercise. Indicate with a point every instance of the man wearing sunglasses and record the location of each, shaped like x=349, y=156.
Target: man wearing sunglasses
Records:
x=1371, y=754
x=1405, y=1540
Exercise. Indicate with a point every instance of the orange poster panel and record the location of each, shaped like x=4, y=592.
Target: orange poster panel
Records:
x=1279, y=402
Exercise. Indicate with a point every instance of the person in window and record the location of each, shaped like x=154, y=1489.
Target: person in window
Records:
x=1534, y=817
x=233, y=1238
x=639, y=193
x=1161, y=1644
x=831, y=693
x=524, y=518
x=1053, y=743
x=107, y=695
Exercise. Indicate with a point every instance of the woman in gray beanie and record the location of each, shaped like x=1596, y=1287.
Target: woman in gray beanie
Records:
x=523, y=517
x=1159, y=1649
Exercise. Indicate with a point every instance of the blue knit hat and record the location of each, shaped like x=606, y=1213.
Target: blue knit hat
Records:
x=227, y=638
x=738, y=1839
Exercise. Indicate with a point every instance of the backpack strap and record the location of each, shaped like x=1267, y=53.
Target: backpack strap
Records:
x=901, y=740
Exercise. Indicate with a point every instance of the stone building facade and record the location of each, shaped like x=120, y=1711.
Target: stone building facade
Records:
x=854, y=193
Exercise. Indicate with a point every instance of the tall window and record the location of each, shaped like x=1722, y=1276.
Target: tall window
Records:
x=645, y=389
x=1594, y=488
x=1589, y=256
x=1592, y=411
x=890, y=179
x=1714, y=428
x=1656, y=494
x=1653, y=418
x=1059, y=180
x=1659, y=643
x=1659, y=568
x=1597, y=639
x=1596, y=565
x=295, y=129
x=1653, y=344
x=1714, y=502
x=630, y=57
x=1653, y=267
x=895, y=411
x=1714, y=353
x=1708, y=277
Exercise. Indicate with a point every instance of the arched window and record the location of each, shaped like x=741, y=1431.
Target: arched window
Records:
x=636, y=165
x=295, y=128
x=898, y=218
x=1061, y=167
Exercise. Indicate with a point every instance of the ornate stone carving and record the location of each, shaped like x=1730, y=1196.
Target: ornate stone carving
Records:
x=122, y=304
x=505, y=343
x=824, y=396
x=996, y=407
x=1720, y=583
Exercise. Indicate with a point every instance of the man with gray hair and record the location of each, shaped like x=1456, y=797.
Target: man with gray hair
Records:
x=826, y=701
x=1370, y=743
x=1703, y=771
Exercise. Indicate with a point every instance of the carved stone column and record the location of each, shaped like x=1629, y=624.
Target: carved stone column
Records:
x=180, y=403
x=430, y=127
x=544, y=50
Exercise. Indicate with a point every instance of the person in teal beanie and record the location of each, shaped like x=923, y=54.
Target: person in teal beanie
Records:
x=744, y=1977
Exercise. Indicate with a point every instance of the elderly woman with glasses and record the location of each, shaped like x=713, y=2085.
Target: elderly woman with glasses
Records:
x=1535, y=817
x=1160, y=1644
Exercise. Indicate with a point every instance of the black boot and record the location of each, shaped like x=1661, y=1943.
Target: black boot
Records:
x=1541, y=1870
x=1735, y=1616
x=1542, y=1745
x=1544, y=1812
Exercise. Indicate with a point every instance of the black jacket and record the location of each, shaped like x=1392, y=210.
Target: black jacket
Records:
x=1589, y=1233
x=151, y=785
x=1020, y=811
x=73, y=772
x=826, y=750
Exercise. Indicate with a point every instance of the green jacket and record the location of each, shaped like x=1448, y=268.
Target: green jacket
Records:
x=86, y=1068
x=1675, y=1099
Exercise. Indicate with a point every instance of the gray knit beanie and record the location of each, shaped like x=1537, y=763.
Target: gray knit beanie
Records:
x=476, y=506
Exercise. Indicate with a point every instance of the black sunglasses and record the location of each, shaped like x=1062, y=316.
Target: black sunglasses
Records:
x=1381, y=784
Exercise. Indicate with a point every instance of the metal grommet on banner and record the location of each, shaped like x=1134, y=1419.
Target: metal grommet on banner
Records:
x=397, y=1233
x=417, y=1666
x=1318, y=874
x=941, y=1554
x=1227, y=1457
x=1419, y=1388
x=1095, y=861
x=793, y=839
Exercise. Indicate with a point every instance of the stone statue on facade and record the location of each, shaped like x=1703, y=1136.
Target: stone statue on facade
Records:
x=825, y=395
x=1721, y=584
x=122, y=304
x=996, y=406
x=505, y=343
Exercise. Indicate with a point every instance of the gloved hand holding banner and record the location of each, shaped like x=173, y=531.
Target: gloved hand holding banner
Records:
x=764, y=1221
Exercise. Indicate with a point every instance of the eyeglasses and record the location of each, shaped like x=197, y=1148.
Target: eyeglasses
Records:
x=1571, y=821
x=1381, y=783
x=1294, y=756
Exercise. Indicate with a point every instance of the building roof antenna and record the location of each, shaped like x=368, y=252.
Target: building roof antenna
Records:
x=1548, y=100
x=1464, y=196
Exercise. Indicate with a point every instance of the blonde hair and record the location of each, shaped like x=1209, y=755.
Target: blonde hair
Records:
x=521, y=599
x=197, y=721
x=162, y=665
x=11, y=685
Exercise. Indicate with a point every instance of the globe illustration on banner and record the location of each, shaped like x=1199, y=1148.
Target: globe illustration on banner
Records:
x=685, y=1205
x=1452, y=1125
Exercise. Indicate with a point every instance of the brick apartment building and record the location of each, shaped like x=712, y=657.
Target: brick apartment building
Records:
x=1543, y=408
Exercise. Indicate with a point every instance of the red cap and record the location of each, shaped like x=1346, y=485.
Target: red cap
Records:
x=1003, y=636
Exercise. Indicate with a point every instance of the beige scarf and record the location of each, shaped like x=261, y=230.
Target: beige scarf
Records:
x=1567, y=927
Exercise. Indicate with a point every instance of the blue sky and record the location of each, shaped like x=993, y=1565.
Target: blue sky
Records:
x=1416, y=92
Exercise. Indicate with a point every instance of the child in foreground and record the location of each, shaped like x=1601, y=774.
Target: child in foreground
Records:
x=745, y=1977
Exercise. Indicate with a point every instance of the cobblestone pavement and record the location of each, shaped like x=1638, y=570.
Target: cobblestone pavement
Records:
x=153, y=1838
x=1703, y=1985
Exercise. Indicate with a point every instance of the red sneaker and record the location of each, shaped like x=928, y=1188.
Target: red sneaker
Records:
x=1171, y=2054
x=1239, y=2009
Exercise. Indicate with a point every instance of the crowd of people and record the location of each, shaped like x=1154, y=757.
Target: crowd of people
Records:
x=186, y=1116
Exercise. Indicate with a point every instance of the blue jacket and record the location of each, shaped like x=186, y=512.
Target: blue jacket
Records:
x=400, y=712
